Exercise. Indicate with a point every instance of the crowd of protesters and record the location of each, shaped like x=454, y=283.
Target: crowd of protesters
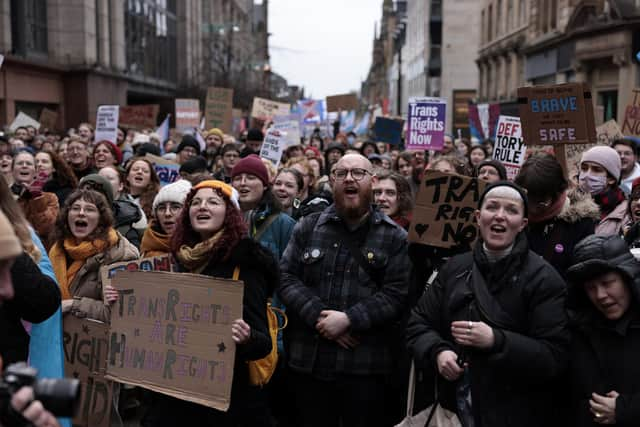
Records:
x=536, y=323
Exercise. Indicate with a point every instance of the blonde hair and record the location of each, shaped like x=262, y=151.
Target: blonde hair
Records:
x=16, y=217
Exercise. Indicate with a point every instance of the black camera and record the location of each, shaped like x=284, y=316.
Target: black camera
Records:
x=58, y=396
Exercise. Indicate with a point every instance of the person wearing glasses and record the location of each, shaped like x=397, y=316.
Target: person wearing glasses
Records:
x=345, y=278
x=558, y=217
x=167, y=208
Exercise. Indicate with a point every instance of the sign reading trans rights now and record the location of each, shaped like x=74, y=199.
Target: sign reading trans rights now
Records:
x=425, y=128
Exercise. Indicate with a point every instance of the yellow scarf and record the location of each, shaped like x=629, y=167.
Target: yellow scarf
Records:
x=195, y=259
x=154, y=243
x=78, y=252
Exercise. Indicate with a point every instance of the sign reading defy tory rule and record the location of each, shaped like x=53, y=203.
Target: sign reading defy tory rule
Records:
x=425, y=129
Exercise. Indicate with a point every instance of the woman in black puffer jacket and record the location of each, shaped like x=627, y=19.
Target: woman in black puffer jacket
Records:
x=604, y=301
x=494, y=324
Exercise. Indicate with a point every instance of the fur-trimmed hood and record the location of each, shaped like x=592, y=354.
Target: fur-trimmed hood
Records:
x=580, y=206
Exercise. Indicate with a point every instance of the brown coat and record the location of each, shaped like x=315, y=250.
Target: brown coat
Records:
x=86, y=286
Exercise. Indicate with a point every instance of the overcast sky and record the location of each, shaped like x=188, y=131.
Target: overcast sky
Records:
x=323, y=45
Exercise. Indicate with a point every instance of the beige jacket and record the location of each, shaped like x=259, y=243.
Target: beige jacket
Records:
x=86, y=287
x=617, y=221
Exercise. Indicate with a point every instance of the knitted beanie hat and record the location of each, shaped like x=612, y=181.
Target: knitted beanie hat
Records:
x=226, y=189
x=176, y=192
x=188, y=141
x=252, y=165
x=606, y=157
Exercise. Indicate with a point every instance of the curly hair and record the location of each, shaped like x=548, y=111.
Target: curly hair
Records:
x=63, y=174
x=234, y=227
x=105, y=221
x=15, y=215
x=305, y=164
x=149, y=193
x=403, y=189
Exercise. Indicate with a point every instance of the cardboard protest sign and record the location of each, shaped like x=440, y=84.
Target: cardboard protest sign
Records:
x=139, y=116
x=275, y=142
x=608, y=132
x=444, y=212
x=388, y=130
x=557, y=114
x=631, y=123
x=218, y=109
x=425, y=130
x=48, y=119
x=509, y=148
x=291, y=128
x=346, y=102
x=107, y=123
x=156, y=263
x=187, y=115
x=265, y=109
x=23, y=120
x=85, y=343
x=171, y=333
x=167, y=170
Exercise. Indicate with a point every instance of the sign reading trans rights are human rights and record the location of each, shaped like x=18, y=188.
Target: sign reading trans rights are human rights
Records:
x=425, y=129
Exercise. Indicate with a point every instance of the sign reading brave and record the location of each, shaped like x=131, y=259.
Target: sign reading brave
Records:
x=509, y=148
x=444, y=212
x=85, y=344
x=557, y=114
x=171, y=333
x=219, y=109
x=425, y=130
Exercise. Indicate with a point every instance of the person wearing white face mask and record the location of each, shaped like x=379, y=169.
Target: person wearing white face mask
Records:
x=599, y=176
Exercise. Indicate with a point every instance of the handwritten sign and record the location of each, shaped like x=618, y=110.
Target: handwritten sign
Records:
x=156, y=263
x=48, y=119
x=171, y=333
x=85, y=344
x=345, y=102
x=187, y=115
x=139, y=116
x=509, y=148
x=444, y=212
x=631, y=123
x=265, y=109
x=557, y=114
x=166, y=170
x=218, y=109
x=425, y=130
x=107, y=123
x=275, y=142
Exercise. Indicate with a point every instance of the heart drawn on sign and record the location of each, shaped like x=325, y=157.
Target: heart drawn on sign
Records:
x=421, y=229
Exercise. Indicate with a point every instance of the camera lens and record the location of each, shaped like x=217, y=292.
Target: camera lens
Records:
x=59, y=396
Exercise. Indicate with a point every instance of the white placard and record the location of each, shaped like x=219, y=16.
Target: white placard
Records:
x=292, y=130
x=23, y=120
x=107, y=123
x=275, y=142
x=509, y=148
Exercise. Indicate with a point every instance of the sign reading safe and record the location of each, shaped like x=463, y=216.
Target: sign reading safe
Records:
x=171, y=333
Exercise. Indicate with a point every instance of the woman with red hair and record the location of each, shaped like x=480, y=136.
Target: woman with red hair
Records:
x=211, y=239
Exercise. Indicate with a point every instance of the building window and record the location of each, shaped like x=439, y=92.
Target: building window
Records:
x=499, y=18
x=553, y=14
x=29, y=27
x=483, y=25
x=509, y=15
x=609, y=100
x=522, y=9
x=490, y=23
x=150, y=31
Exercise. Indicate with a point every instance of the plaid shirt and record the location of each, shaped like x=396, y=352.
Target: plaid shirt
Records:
x=311, y=283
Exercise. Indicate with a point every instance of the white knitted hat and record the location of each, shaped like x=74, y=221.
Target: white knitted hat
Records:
x=176, y=192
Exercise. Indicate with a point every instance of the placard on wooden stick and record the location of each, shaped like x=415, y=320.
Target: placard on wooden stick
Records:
x=171, y=333
x=557, y=114
x=219, y=108
x=346, y=102
x=444, y=212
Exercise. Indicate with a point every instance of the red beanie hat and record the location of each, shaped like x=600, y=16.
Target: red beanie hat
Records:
x=251, y=165
x=117, y=153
